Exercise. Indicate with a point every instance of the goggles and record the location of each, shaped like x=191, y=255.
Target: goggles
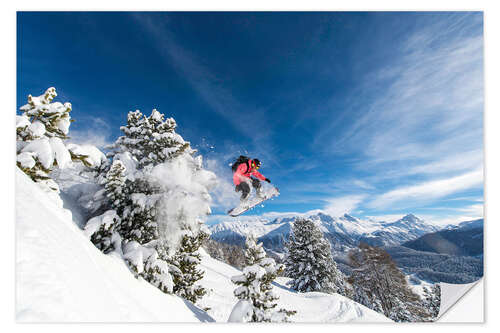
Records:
x=255, y=166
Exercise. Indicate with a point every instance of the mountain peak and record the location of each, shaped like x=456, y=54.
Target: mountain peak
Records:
x=349, y=217
x=325, y=217
x=410, y=218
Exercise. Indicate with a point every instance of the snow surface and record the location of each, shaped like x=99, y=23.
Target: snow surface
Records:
x=95, y=156
x=61, y=154
x=242, y=312
x=41, y=149
x=62, y=277
x=22, y=121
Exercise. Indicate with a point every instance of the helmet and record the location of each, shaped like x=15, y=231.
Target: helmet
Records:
x=257, y=163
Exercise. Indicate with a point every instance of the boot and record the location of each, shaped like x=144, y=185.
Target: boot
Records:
x=244, y=197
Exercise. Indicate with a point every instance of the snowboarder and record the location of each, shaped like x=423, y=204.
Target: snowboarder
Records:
x=243, y=169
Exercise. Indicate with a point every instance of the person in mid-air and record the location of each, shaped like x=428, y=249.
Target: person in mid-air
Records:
x=243, y=170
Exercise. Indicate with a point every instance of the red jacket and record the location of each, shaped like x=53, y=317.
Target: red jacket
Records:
x=244, y=171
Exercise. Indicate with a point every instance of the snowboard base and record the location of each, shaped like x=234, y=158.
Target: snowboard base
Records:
x=252, y=202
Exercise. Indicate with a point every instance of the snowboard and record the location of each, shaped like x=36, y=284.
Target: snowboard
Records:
x=252, y=202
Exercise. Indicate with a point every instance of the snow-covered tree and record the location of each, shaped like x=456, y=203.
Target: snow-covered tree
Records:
x=255, y=290
x=149, y=262
x=40, y=132
x=185, y=266
x=115, y=190
x=158, y=189
x=309, y=260
x=381, y=286
x=102, y=231
x=151, y=140
x=115, y=186
x=139, y=217
x=432, y=299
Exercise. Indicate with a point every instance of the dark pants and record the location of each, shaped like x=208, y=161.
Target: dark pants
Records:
x=244, y=188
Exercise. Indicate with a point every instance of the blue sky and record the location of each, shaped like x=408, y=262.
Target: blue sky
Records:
x=377, y=114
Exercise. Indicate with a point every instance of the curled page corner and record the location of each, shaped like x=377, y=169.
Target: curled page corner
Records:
x=462, y=302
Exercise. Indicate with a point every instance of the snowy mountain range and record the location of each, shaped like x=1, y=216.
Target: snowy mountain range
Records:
x=343, y=232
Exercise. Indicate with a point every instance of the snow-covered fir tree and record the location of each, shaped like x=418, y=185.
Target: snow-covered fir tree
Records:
x=309, y=262
x=147, y=142
x=118, y=197
x=40, y=132
x=432, y=300
x=185, y=266
x=255, y=290
x=102, y=231
x=151, y=140
x=115, y=186
x=158, y=189
x=381, y=286
x=139, y=222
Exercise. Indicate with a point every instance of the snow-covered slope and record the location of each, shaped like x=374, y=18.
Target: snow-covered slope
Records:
x=310, y=307
x=61, y=276
x=344, y=232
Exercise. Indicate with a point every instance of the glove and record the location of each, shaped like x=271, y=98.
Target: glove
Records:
x=268, y=180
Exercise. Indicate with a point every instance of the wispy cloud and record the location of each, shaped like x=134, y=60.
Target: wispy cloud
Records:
x=471, y=199
x=457, y=162
x=432, y=106
x=96, y=132
x=427, y=191
x=454, y=218
x=362, y=184
x=342, y=205
x=474, y=210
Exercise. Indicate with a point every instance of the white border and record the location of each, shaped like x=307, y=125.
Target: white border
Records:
x=492, y=125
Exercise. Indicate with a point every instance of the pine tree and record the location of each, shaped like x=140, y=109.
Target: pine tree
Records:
x=381, y=286
x=255, y=284
x=158, y=190
x=432, y=300
x=309, y=260
x=40, y=111
x=151, y=140
x=185, y=269
x=40, y=132
x=115, y=186
x=139, y=217
x=146, y=140
x=116, y=193
x=148, y=261
x=103, y=231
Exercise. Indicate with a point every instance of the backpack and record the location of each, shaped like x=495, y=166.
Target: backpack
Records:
x=239, y=160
